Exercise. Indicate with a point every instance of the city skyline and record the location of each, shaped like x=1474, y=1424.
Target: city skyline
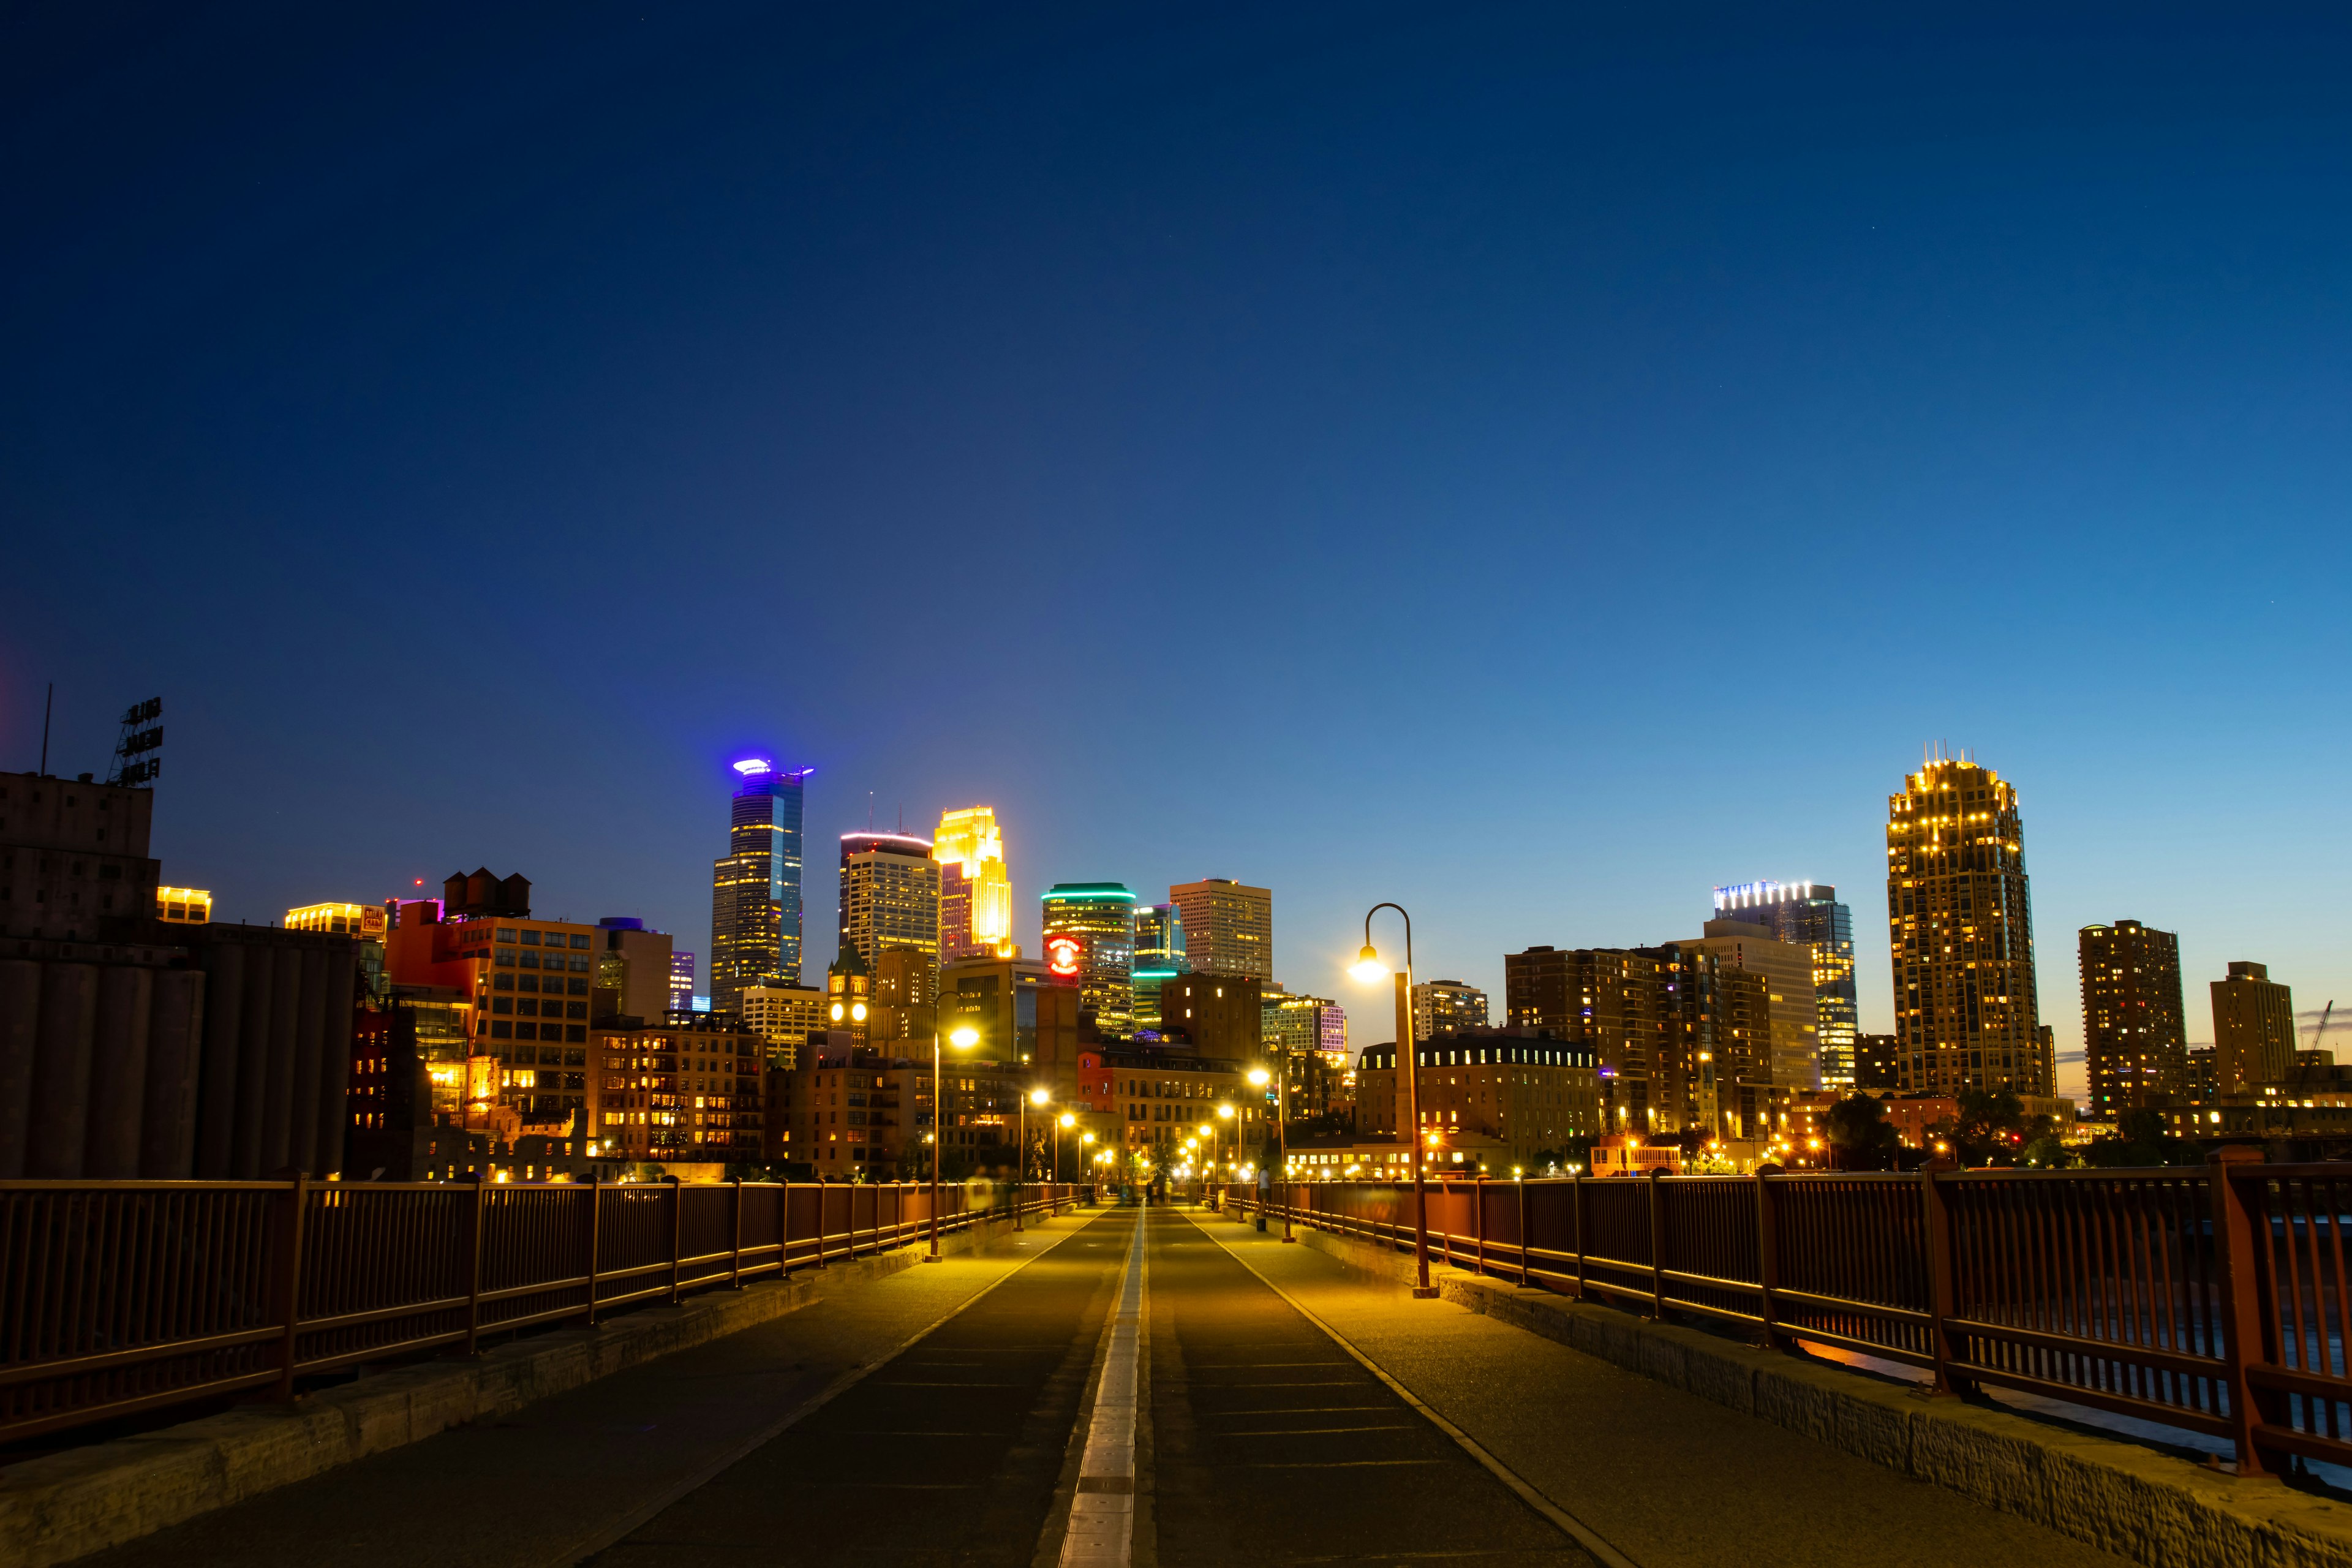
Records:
x=1532, y=303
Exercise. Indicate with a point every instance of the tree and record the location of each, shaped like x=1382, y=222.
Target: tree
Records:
x=1988, y=1128
x=2142, y=1137
x=1860, y=1138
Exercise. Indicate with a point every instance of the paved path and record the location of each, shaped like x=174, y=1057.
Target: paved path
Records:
x=949, y=1414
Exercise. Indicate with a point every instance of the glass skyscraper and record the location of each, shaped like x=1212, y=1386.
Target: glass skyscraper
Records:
x=755, y=887
x=1158, y=956
x=1810, y=912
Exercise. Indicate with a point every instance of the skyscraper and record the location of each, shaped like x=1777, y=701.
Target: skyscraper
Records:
x=890, y=898
x=1228, y=926
x=2254, y=1030
x=1810, y=912
x=1159, y=955
x=2135, y=1036
x=1447, y=1007
x=755, y=887
x=975, y=885
x=1961, y=933
x=1090, y=945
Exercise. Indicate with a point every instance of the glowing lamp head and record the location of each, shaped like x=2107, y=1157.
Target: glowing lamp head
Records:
x=1226, y=1112
x=1038, y=1097
x=1259, y=1078
x=1369, y=967
x=963, y=1039
x=1068, y=1120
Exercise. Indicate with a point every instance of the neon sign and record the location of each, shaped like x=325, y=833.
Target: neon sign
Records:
x=1063, y=954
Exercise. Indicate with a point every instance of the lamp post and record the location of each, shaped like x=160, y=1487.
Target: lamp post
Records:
x=1021, y=1166
x=1368, y=968
x=963, y=1039
x=1086, y=1142
x=1259, y=1076
x=1226, y=1112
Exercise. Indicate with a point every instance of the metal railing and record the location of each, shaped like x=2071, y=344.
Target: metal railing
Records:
x=2215, y=1299
x=117, y=1297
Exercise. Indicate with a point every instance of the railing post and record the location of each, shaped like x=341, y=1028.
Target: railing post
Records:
x=1658, y=1243
x=1943, y=1270
x=474, y=1229
x=1768, y=1255
x=288, y=1284
x=735, y=1275
x=596, y=1240
x=2242, y=1230
x=1526, y=1241
x=677, y=1241
x=1478, y=1217
x=1581, y=1207
x=785, y=1231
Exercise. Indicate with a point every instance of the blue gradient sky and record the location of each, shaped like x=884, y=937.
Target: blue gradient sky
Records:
x=1531, y=466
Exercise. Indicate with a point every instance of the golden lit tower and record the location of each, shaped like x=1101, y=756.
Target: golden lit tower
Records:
x=975, y=886
x=1961, y=931
x=2135, y=1034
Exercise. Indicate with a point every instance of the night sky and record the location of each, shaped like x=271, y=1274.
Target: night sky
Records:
x=1531, y=463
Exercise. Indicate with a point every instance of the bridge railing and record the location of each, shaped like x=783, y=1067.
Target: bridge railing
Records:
x=117, y=1297
x=2215, y=1299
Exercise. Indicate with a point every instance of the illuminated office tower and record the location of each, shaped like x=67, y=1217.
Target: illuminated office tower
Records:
x=755, y=888
x=1158, y=956
x=1090, y=945
x=975, y=886
x=2254, y=1030
x=1447, y=1007
x=1810, y=914
x=1961, y=933
x=1228, y=926
x=890, y=900
x=2135, y=1034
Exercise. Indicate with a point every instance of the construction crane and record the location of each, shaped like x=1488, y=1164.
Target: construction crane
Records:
x=2324, y=1016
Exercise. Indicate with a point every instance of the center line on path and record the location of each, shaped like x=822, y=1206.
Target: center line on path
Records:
x=1101, y=1529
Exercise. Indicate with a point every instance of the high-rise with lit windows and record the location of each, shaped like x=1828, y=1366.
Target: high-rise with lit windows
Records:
x=1090, y=945
x=975, y=885
x=755, y=888
x=1228, y=926
x=1960, y=926
x=890, y=900
x=2135, y=1032
x=1810, y=914
x=2253, y=1029
x=1447, y=1007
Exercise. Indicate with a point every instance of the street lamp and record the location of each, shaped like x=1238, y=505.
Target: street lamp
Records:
x=1259, y=1077
x=1021, y=1165
x=1367, y=968
x=963, y=1039
x=1226, y=1112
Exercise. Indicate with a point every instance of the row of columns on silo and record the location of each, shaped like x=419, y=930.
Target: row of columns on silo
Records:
x=276, y=1056
x=98, y=1070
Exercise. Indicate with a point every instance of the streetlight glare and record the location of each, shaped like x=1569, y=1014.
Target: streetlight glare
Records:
x=1038, y=1097
x=1259, y=1078
x=1068, y=1120
x=1226, y=1112
x=1369, y=967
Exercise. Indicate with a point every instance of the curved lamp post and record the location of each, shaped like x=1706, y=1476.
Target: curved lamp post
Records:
x=1367, y=968
x=963, y=1039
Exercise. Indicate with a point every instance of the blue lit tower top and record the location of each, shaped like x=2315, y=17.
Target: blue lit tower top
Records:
x=755, y=889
